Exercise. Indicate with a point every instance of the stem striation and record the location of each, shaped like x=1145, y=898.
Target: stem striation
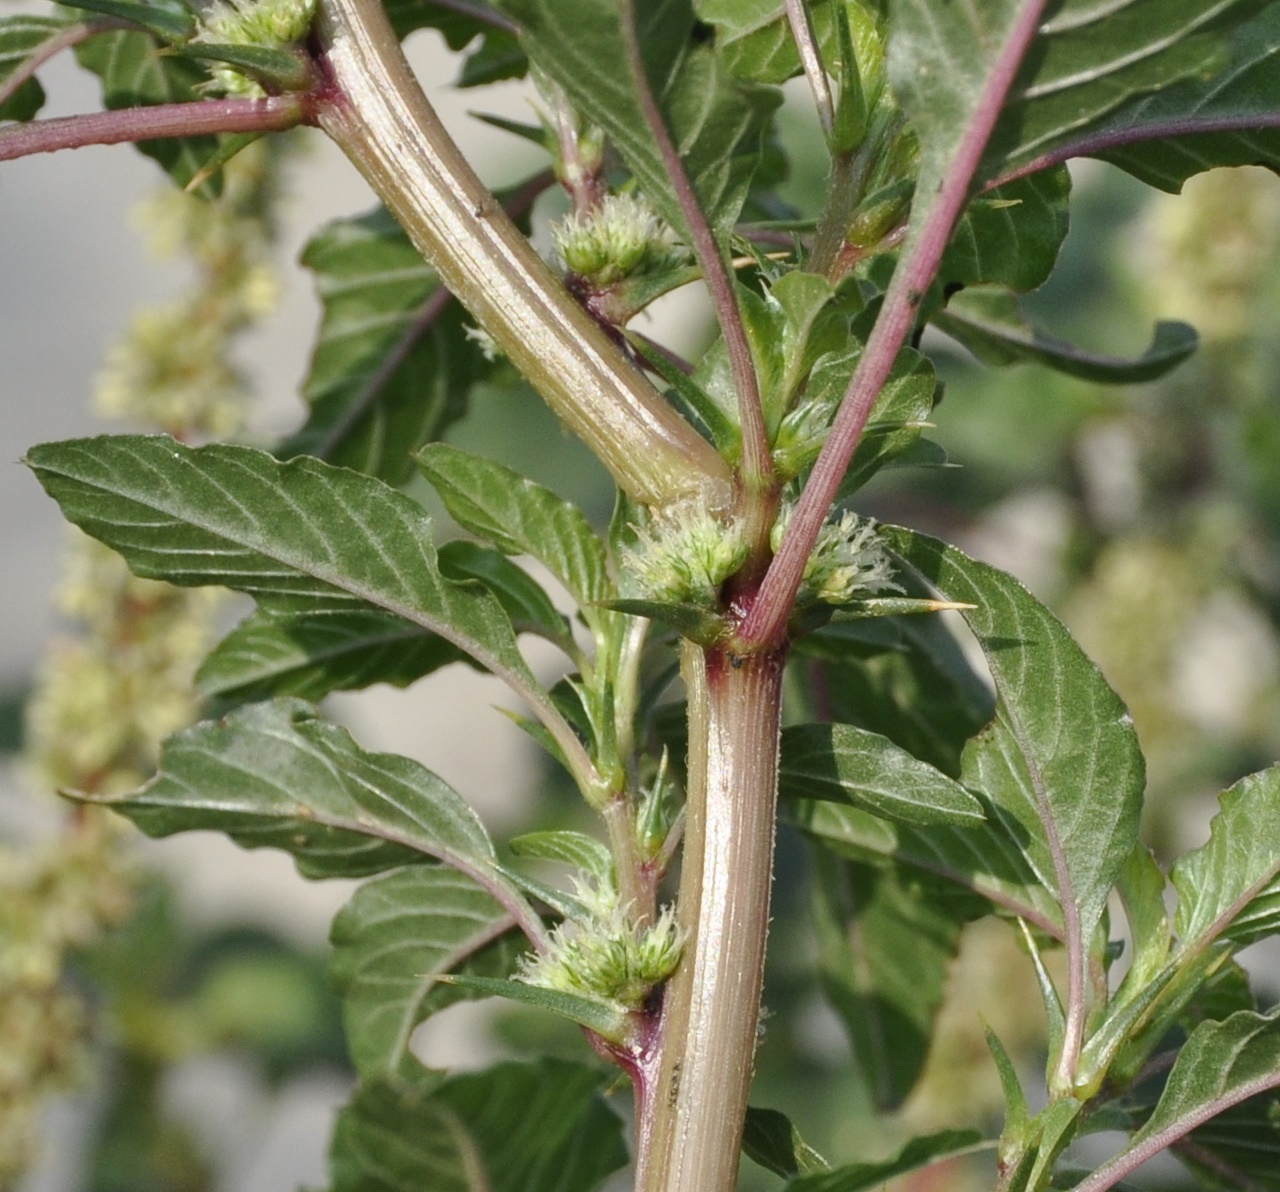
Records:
x=374, y=109
x=692, y=1126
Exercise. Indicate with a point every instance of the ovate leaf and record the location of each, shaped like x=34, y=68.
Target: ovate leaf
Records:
x=392, y=365
x=1230, y=887
x=520, y=517
x=136, y=72
x=20, y=38
x=392, y=942
x=841, y=762
x=299, y=536
x=514, y=1128
x=1061, y=759
x=716, y=121
x=310, y=654
x=584, y=853
x=990, y=322
x=272, y=775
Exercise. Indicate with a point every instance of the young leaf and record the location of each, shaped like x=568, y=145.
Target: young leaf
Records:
x=989, y=321
x=887, y=996
x=392, y=365
x=310, y=654
x=393, y=940
x=514, y=1128
x=136, y=71
x=300, y=536
x=769, y=1138
x=20, y=38
x=1069, y=773
x=1219, y=1066
x=585, y=853
x=1230, y=887
x=604, y=1017
x=272, y=775
x=840, y=762
x=520, y=517
x=919, y=1152
x=1092, y=64
x=716, y=121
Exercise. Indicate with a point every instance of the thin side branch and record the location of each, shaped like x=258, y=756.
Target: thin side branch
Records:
x=767, y=618
x=811, y=60
x=757, y=459
x=274, y=114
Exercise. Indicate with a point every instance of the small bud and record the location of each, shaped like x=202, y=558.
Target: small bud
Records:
x=622, y=237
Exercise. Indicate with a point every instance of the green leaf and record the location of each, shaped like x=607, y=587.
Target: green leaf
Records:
x=272, y=775
x=1238, y=104
x=172, y=22
x=769, y=1139
x=585, y=853
x=986, y=860
x=1010, y=236
x=310, y=654
x=278, y=69
x=991, y=324
x=1221, y=1065
x=887, y=996
x=1091, y=63
x=1141, y=886
x=698, y=624
x=299, y=536
x=524, y=599
x=20, y=38
x=842, y=763
x=716, y=121
x=137, y=71
x=1066, y=771
x=907, y=679
x=1237, y=1149
x=495, y=54
x=392, y=365
x=393, y=940
x=1230, y=887
x=919, y=1152
x=538, y=1127
x=520, y=517
x=607, y=1018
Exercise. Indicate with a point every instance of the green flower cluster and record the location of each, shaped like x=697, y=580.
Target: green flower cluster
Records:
x=608, y=956
x=271, y=24
x=622, y=237
x=684, y=554
x=848, y=561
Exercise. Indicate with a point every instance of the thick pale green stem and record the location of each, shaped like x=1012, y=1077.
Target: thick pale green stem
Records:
x=374, y=109
x=712, y=1006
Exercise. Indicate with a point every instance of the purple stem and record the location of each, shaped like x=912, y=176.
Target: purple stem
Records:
x=64, y=39
x=149, y=123
x=757, y=459
x=767, y=618
x=1129, y=1161
x=1096, y=143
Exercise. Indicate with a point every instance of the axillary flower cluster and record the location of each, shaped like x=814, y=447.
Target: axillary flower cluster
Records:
x=685, y=554
x=267, y=24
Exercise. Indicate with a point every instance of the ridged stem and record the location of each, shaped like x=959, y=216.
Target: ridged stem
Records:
x=373, y=107
x=711, y=1007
